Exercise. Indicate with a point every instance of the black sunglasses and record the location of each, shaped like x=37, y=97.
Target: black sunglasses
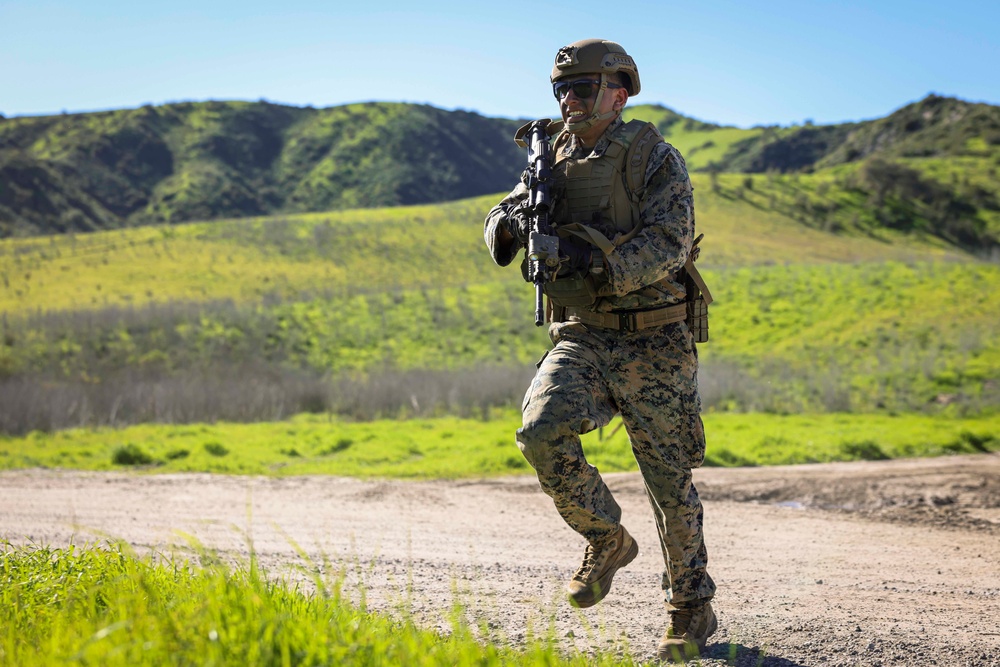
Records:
x=582, y=88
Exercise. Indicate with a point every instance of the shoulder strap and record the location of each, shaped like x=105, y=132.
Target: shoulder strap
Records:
x=590, y=235
x=558, y=144
x=644, y=138
x=693, y=273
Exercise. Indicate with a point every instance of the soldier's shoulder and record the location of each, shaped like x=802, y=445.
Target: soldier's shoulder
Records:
x=641, y=131
x=669, y=156
x=666, y=160
x=641, y=140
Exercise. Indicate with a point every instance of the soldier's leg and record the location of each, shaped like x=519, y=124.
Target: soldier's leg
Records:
x=679, y=517
x=566, y=398
x=654, y=380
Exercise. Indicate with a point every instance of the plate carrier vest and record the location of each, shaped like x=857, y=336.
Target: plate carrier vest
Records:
x=599, y=198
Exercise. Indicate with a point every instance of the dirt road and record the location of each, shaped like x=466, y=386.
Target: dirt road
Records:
x=894, y=563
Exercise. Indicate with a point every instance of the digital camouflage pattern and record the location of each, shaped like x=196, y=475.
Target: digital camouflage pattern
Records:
x=657, y=252
x=649, y=376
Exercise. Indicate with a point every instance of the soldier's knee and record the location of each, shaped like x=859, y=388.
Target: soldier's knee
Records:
x=539, y=441
x=535, y=442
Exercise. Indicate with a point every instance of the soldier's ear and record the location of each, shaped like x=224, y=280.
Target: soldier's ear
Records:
x=621, y=97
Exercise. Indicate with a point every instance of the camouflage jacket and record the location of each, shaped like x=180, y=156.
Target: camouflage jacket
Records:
x=658, y=252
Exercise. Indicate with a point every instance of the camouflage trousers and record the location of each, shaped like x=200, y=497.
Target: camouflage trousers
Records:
x=650, y=378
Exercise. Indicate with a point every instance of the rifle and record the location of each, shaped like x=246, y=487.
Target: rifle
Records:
x=543, y=244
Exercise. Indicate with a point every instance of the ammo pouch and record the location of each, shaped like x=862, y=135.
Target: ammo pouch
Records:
x=581, y=289
x=575, y=290
x=698, y=297
x=697, y=318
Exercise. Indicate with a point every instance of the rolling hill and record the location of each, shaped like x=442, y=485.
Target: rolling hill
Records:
x=202, y=161
x=930, y=166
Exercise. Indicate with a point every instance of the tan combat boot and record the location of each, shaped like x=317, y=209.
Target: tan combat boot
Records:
x=600, y=562
x=687, y=633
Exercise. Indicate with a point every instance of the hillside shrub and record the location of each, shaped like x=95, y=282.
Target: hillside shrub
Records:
x=130, y=455
x=904, y=199
x=216, y=448
x=866, y=450
x=977, y=441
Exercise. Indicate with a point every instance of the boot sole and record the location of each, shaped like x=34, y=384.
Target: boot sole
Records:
x=602, y=586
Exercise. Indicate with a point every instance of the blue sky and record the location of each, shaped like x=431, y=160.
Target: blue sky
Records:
x=735, y=63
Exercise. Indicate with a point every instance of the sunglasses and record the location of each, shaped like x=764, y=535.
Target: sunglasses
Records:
x=582, y=88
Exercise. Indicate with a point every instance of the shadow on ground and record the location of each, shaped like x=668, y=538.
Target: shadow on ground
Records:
x=738, y=655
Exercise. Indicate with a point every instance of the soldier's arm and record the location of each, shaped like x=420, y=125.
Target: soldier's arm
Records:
x=499, y=240
x=667, y=211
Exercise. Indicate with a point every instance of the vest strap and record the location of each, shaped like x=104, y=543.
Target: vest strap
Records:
x=698, y=280
x=588, y=234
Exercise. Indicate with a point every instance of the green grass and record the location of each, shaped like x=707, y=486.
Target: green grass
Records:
x=106, y=606
x=358, y=251
x=453, y=448
x=758, y=439
x=883, y=335
x=376, y=250
x=819, y=307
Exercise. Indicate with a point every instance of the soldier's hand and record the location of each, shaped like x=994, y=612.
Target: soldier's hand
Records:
x=518, y=223
x=574, y=256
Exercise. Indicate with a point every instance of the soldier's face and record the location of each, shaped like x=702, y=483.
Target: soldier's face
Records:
x=577, y=100
x=576, y=103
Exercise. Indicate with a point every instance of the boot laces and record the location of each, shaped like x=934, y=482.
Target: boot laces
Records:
x=680, y=621
x=590, y=558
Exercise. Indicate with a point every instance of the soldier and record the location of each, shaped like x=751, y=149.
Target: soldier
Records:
x=625, y=218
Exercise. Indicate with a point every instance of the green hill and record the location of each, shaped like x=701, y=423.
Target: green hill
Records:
x=930, y=166
x=933, y=127
x=200, y=161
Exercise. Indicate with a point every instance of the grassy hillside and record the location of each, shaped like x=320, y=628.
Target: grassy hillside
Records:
x=854, y=282
x=400, y=311
x=199, y=161
x=932, y=166
x=361, y=251
x=932, y=127
x=702, y=144
x=935, y=160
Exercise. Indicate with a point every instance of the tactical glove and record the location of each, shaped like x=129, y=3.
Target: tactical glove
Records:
x=518, y=223
x=574, y=256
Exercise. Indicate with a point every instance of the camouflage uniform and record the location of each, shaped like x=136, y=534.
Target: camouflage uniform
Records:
x=648, y=376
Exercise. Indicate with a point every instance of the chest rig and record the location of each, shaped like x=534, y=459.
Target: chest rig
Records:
x=601, y=191
x=598, y=201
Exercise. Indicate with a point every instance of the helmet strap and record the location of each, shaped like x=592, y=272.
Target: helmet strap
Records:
x=596, y=116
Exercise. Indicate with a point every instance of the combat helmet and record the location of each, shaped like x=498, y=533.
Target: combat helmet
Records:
x=589, y=56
